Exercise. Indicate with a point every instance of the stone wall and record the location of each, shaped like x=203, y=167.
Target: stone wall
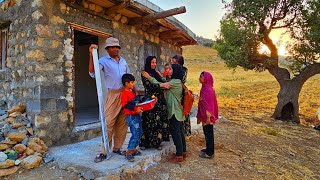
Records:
x=40, y=65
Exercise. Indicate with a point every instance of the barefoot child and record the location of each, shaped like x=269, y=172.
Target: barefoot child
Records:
x=207, y=112
x=133, y=118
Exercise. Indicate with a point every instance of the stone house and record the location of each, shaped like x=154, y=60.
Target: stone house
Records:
x=44, y=56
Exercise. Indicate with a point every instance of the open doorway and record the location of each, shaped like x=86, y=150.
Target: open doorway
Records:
x=86, y=99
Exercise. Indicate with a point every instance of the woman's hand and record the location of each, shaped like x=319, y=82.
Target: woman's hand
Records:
x=166, y=85
x=145, y=74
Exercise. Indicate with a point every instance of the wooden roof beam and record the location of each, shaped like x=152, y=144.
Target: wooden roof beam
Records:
x=118, y=7
x=156, y=29
x=158, y=15
x=169, y=34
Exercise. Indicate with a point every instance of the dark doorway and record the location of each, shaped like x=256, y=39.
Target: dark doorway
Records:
x=86, y=99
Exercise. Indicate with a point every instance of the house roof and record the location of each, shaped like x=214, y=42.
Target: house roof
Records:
x=142, y=14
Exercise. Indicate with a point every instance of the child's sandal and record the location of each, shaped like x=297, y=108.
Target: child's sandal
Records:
x=136, y=153
x=100, y=157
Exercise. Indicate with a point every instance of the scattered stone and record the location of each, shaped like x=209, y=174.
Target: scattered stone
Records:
x=72, y=169
x=31, y=162
x=17, y=136
x=35, y=140
x=2, y=112
x=5, y=146
x=88, y=175
x=1, y=136
x=6, y=164
x=48, y=159
x=2, y=104
x=261, y=171
x=3, y=117
x=5, y=129
x=7, y=172
x=20, y=148
x=34, y=146
x=8, y=141
x=129, y=172
x=158, y=158
x=25, y=141
x=19, y=108
x=10, y=120
x=29, y=151
x=18, y=122
x=29, y=125
x=3, y=157
x=292, y=154
x=17, y=162
x=30, y=130
x=15, y=114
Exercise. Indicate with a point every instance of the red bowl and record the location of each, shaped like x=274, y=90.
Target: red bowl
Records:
x=148, y=105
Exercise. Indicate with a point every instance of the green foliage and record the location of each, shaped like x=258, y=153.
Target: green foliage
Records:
x=306, y=47
x=248, y=25
x=237, y=44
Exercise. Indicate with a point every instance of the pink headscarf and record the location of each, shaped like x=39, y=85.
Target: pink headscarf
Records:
x=208, y=100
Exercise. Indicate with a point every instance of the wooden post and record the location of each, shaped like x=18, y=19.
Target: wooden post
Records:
x=101, y=102
x=158, y=15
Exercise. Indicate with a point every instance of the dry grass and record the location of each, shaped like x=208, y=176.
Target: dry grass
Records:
x=249, y=93
x=251, y=145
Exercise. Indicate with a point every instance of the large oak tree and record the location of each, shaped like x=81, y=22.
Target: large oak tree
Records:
x=248, y=24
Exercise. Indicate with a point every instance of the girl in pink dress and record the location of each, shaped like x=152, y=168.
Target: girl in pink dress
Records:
x=207, y=112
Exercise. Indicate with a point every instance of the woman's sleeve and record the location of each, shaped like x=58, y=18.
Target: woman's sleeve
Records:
x=148, y=85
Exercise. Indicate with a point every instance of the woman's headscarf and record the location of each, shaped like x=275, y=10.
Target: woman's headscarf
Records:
x=179, y=59
x=176, y=72
x=148, y=69
x=208, y=101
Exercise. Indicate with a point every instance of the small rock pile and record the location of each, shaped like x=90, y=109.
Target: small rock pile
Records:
x=19, y=147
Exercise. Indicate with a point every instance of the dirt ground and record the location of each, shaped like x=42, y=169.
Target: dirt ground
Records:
x=250, y=144
x=258, y=149
x=248, y=151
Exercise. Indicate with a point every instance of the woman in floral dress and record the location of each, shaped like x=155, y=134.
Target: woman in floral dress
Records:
x=155, y=121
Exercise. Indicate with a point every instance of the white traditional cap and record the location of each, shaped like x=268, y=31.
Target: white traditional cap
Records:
x=111, y=41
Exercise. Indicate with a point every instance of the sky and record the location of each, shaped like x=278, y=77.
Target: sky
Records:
x=202, y=16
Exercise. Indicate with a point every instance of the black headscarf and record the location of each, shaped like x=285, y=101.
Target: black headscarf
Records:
x=176, y=72
x=148, y=69
x=179, y=59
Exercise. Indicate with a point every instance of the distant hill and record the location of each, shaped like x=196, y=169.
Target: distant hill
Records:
x=200, y=54
x=204, y=41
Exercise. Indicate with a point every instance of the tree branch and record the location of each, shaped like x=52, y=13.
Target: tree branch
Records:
x=308, y=72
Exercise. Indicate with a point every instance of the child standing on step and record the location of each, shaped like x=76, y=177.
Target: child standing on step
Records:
x=133, y=118
x=207, y=112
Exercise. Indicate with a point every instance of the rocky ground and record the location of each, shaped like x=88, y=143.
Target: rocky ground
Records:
x=259, y=149
x=248, y=150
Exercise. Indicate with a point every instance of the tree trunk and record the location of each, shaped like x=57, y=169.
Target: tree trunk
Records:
x=288, y=98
